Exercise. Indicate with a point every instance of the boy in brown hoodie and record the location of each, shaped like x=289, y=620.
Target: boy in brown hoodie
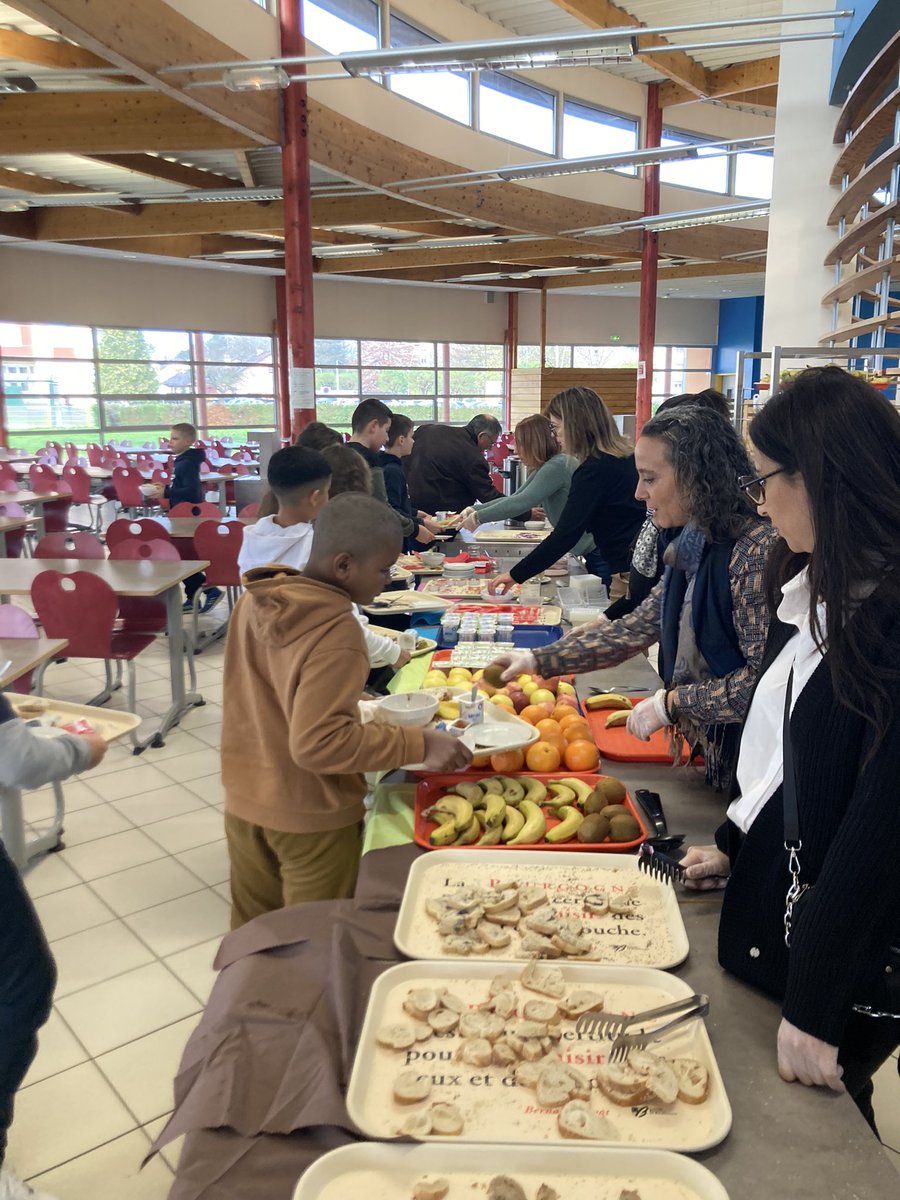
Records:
x=293, y=747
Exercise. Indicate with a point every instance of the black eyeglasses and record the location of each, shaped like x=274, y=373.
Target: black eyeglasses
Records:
x=755, y=485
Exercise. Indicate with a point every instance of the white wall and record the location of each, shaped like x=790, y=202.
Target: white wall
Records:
x=85, y=289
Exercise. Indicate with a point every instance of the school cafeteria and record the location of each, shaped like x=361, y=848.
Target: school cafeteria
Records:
x=449, y=732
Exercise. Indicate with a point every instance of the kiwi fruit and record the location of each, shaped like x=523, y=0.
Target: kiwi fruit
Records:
x=493, y=675
x=615, y=810
x=594, y=803
x=613, y=789
x=624, y=828
x=594, y=828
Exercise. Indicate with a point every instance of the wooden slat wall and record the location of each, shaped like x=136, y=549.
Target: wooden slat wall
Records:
x=534, y=388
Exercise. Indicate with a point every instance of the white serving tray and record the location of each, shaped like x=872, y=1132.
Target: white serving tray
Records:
x=385, y=1172
x=109, y=723
x=404, y=602
x=661, y=943
x=503, y=729
x=495, y=1107
x=511, y=535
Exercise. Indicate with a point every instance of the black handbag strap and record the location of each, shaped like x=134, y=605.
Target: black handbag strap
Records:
x=789, y=785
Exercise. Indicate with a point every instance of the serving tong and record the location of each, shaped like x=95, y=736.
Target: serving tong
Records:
x=656, y=862
x=613, y=1026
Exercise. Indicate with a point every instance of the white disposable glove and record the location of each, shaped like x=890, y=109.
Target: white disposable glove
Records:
x=467, y=512
x=470, y=523
x=648, y=716
x=522, y=663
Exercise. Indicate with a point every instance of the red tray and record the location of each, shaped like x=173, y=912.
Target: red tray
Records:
x=430, y=789
x=621, y=746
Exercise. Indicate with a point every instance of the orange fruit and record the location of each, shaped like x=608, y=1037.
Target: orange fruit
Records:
x=542, y=757
x=581, y=756
x=569, y=717
x=532, y=713
x=575, y=732
x=547, y=725
x=561, y=711
x=483, y=763
x=507, y=762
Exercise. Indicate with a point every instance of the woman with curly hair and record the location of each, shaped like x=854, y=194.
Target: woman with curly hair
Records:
x=709, y=611
x=813, y=832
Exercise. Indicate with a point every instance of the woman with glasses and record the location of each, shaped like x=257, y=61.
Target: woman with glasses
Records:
x=815, y=802
x=601, y=501
x=708, y=612
x=547, y=485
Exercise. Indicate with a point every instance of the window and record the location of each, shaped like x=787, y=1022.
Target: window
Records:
x=427, y=381
x=708, y=173
x=447, y=92
x=507, y=106
x=589, y=131
x=92, y=384
x=753, y=174
x=340, y=26
x=676, y=369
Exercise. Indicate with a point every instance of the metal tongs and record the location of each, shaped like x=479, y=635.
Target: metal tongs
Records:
x=613, y=1026
x=656, y=862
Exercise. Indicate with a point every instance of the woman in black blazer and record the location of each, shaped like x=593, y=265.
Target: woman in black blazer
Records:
x=826, y=450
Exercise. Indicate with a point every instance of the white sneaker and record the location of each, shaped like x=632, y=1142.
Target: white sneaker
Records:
x=12, y=1187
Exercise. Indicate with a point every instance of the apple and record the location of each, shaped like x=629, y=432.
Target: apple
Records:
x=476, y=675
x=551, y=684
x=521, y=680
x=565, y=689
x=568, y=701
x=530, y=687
x=503, y=701
x=519, y=699
x=541, y=696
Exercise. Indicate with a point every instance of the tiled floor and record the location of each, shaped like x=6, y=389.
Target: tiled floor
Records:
x=135, y=908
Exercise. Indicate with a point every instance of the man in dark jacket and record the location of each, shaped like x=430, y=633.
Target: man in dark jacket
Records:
x=447, y=470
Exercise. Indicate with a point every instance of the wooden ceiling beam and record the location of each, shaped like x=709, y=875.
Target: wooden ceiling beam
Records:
x=142, y=38
x=45, y=52
x=674, y=63
x=666, y=274
x=40, y=185
x=400, y=260
x=728, y=83
x=94, y=123
x=336, y=212
x=244, y=169
x=189, y=245
x=154, y=167
x=448, y=275
x=161, y=220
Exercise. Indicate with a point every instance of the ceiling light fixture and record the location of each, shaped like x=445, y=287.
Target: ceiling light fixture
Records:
x=591, y=47
x=14, y=206
x=678, y=220
x=268, y=78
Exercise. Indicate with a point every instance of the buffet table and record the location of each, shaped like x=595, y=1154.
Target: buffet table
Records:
x=260, y=1090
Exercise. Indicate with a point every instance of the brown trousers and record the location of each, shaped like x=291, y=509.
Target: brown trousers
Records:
x=271, y=870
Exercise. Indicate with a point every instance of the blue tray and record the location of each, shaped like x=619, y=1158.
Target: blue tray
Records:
x=525, y=637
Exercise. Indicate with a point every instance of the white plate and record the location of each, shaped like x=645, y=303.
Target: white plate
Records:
x=500, y=730
x=381, y=1172
x=495, y=1107
x=658, y=940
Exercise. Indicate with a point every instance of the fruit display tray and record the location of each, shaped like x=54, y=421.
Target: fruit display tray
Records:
x=621, y=746
x=434, y=786
x=657, y=939
x=498, y=1109
x=389, y=1172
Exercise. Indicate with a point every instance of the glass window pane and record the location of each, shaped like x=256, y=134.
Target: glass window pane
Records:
x=463, y=410
x=150, y=414
x=331, y=380
x=588, y=131
x=528, y=357
x=247, y=378
x=396, y=381
x=475, y=383
x=509, y=107
x=45, y=341
x=558, y=356
x=48, y=377
x=418, y=409
x=236, y=348
x=50, y=412
x=708, y=173
x=143, y=344
x=241, y=410
x=604, y=356
x=144, y=378
x=468, y=354
x=341, y=25
x=753, y=175
x=337, y=351
x=397, y=354
x=335, y=411
x=446, y=92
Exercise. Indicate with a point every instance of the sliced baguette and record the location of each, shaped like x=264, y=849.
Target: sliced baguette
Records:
x=578, y=1120
x=693, y=1079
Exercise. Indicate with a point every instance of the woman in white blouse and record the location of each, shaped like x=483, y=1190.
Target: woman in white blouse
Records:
x=826, y=450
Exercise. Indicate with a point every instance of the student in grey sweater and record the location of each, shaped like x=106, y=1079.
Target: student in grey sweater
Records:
x=27, y=970
x=547, y=485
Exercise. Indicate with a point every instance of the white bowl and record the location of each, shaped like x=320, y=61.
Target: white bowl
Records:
x=147, y=489
x=535, y=524
x=430, y=558
x=409, y=708
x=464, y=569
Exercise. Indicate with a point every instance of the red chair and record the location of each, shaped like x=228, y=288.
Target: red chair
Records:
x=83, y=608
x=161, y=476
x=203, y=509
x=42, y=477
x=56, y=512
x=15, y=539
x=80, y=482
x=144, y=530
x=71, y=452
x=220, y=543
x=16, y=623
x=127, y=482
x=94, y=454
x=70, y=545
x=250, y=511
x=7, y=474
x=57, y=449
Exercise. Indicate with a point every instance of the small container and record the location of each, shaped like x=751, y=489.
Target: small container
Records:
x=407, y=641
x=485, y=635
x=471, y=711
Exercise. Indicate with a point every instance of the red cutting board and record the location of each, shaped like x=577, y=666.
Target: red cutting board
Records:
x=620, y=746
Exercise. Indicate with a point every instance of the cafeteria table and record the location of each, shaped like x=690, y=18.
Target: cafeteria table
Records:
x=259, y=1094
x=10, y=525
x=105, y=473
x=23, y=655
x=145, y=578
x=35, y=500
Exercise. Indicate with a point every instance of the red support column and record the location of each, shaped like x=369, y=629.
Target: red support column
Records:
x=298, y=262
x=649, y=264
x=511, y=354
x=282, y=361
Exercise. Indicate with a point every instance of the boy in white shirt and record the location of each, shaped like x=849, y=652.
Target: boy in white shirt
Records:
x=300, y=481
